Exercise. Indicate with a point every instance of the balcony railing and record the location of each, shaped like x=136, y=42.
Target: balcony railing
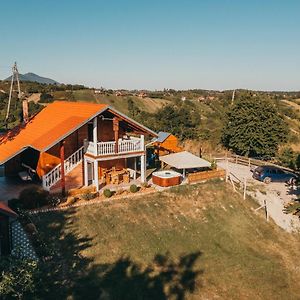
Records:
x=109, y=148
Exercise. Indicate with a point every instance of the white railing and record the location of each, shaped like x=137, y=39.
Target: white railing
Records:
x=74, y=160
x=106, y=148
x=129, y=146
x=54, y=175
x=109, y=148
x=51, y=177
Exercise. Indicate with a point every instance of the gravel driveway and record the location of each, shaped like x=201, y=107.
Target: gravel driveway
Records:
x=275, y=194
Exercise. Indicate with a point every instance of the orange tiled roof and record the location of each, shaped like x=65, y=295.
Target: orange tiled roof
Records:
x=49, y=126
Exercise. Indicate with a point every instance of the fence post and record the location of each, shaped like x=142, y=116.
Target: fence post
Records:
x=227, y=171
x=245, y=188
x=233, y=186
x=266, y=209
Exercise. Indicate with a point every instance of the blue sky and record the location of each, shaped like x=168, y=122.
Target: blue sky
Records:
x=210, y=44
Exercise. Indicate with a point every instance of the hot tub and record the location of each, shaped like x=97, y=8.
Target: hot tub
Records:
x=166, y=178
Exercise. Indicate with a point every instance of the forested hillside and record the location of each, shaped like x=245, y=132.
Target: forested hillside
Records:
x=197, y=117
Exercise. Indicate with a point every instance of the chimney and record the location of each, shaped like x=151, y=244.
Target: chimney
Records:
x=25, y=111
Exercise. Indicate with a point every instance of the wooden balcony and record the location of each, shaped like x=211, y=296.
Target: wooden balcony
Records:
x=112, y=148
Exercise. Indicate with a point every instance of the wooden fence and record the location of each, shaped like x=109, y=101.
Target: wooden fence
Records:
x=250, y=162
x=205, y=175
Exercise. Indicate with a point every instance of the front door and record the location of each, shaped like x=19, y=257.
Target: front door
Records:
x=90, y=173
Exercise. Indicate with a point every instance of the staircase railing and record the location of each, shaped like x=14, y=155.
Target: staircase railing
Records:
x=70, y=163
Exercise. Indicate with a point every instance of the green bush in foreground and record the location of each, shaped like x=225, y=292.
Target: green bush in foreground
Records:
x=34, y=197
x=89, y=196
x=17, y=277
x=107, y=193
x=133, y=188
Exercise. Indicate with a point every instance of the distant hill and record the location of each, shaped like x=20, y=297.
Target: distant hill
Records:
x=34, y=78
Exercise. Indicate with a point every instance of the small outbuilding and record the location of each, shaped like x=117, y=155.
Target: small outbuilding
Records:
x=166, y=143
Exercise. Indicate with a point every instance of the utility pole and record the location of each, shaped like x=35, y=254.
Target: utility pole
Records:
x=15, y=76
x=233, y=96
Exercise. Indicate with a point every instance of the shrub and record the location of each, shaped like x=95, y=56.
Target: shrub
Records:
x=34, y=197
x=30, y=228
x=18, y=277
x=133, y=188
x=46, y=98
x=145, y=184
x=213, y=165
x=54, y=201
x=107, y=193
x=72, y=200
x=88, y=196
x=15, y=204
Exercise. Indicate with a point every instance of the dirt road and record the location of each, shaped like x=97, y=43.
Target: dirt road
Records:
x=275, y=194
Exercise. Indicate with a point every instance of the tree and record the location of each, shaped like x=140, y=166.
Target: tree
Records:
x=46, y=98
x=287, y=157
x=182, y=120
x=18, y=277
x=133, y=109
x=254, y=127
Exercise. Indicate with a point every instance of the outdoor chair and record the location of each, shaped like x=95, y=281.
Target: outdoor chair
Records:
x=28, y=174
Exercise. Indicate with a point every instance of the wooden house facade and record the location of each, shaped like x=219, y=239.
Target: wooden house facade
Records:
x=166, y=143
x=76, y=143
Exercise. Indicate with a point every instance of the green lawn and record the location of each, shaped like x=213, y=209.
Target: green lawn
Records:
x=193, y=242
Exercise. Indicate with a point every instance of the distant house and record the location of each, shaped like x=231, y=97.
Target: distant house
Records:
x=98, y=91
x=7, y=216
x=142, y=95
x=166, y=143
x=71, y=144
x=183, y=98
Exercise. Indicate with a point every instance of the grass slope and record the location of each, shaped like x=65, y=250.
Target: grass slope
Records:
x=210, y=245
x=118, y=102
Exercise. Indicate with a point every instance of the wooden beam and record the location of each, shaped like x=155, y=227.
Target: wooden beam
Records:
x=62, y=167
x=116, y=132
x=95, y=135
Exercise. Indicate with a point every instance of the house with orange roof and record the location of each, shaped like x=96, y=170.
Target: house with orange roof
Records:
x=73, y=144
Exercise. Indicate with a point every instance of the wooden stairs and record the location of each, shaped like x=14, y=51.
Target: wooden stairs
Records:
x=74, y=179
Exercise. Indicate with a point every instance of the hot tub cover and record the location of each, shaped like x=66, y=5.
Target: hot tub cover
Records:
x=185, y=160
